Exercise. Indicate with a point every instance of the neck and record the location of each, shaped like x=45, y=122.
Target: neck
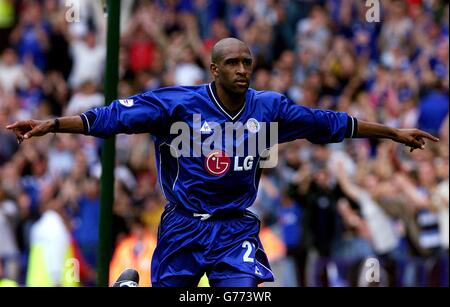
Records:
x=231, y=101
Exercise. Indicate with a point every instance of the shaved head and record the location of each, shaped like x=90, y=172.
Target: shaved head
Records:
x=231, y=66
x=224, y=46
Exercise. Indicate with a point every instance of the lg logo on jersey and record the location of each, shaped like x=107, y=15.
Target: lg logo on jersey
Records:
x=242, y=140
x=217, y=163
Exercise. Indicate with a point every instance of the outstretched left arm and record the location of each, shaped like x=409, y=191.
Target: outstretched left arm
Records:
x=413, y=138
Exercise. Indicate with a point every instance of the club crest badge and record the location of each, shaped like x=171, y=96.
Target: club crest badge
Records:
x=126, y=102
x=253, y=125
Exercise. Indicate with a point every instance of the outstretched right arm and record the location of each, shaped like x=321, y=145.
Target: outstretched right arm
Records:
x=26, y=129
x=138, y=114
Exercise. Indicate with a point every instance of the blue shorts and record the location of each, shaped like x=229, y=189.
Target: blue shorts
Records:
x=222, y=247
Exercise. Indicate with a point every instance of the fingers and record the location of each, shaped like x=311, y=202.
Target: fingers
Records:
x=18, y=125
x=416, y=143
x=427, y=135
x=17, y=132
x=19, y=138
x=14, y=125
x=18, y=128
x=419, y=142
x=26, y=129
x=32, y=132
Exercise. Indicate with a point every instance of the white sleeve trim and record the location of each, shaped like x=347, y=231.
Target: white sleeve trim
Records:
x=353, y=127
x=87, y=121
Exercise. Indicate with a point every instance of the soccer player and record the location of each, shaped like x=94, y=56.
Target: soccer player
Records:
x=208, y=183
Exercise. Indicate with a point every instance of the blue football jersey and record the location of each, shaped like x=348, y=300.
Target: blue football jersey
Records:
x=207, y=176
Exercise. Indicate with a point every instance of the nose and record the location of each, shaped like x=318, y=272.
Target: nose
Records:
x=241, y=69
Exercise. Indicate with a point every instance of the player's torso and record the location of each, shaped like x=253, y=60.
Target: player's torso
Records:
x=210, y=159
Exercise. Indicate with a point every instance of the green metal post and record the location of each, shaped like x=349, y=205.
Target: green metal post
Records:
x=105, y=247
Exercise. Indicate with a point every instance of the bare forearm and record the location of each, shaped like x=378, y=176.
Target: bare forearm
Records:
x=68, y=124
x=26, y=129
x=413, y=138
x=375, y=130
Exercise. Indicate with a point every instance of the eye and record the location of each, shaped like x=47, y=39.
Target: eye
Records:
x=247, y=62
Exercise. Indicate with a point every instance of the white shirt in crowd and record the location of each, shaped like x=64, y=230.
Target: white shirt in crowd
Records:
x=51, y=233
x=80, y=103
x=384, y=236
x=188, y=74
x=88, y=63
x=8, y=213
x=441, y=199
x=11, y=77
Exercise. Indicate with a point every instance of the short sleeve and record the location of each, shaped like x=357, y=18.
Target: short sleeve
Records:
x=143, y=113
x=317, y=126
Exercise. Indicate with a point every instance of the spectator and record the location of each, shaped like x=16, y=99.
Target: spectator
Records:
x=86, y=221
x=50, y=248
x=134, y=251
x=5, y=282
x=84, y=98
x=88, y=60
x=30, y=36
x=8, y=145
x=9, y=252
x=433, y=109
x=12, y=74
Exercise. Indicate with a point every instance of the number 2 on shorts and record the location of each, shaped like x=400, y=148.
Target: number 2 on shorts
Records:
x=249, y=246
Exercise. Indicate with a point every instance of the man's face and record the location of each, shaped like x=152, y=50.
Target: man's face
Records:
x=234, y=69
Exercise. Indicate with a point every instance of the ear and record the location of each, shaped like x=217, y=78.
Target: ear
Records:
x=214, y=69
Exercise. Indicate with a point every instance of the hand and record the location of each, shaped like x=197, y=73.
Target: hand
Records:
x=26, y=129
x=413, y=138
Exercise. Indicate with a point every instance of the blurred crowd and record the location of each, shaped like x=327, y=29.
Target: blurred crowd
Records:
x=358, y=213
